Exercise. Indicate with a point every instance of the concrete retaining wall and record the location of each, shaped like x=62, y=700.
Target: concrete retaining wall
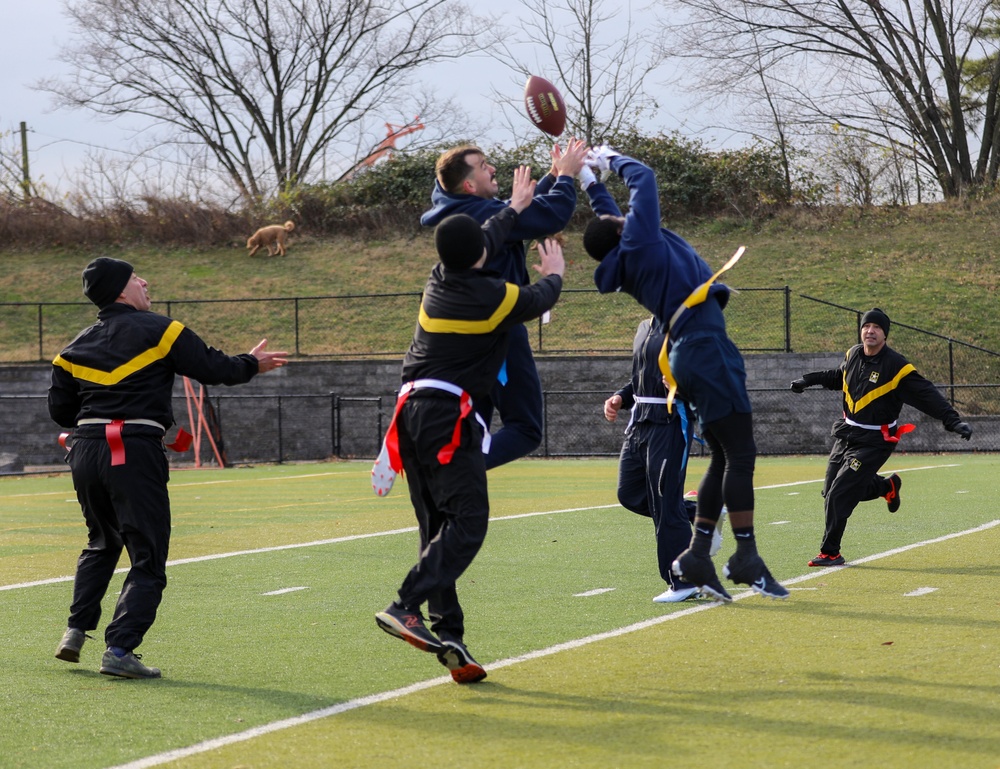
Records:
x=316, y=409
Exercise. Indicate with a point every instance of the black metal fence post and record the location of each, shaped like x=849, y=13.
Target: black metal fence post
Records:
x=788, y=319
x=951, y=369
x=297, y=326
x=281, y=435
x=336, y=426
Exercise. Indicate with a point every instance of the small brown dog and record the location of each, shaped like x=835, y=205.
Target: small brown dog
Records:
x=271, y=236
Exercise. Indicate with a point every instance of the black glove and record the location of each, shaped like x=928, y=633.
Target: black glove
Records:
x=964, y=429
x=799, y=385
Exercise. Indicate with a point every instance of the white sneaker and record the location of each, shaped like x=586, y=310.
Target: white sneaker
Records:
x=676, y=596
x=717, y=534
x=383, y=476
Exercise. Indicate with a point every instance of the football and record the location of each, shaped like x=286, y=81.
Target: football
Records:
x=544, y=105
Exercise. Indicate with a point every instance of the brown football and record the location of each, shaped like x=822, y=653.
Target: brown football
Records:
x=544, y=105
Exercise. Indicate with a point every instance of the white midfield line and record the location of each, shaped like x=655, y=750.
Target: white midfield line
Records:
x=374, y=699
x=392, y=532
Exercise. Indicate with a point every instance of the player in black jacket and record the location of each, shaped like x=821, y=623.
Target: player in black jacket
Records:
x=876, y=382
x=114, y=383
x=436, y=438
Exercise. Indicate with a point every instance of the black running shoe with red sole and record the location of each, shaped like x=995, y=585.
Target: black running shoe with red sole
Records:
x=409, y=626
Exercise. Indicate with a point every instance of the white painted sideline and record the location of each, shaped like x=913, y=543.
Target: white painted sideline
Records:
x=297, y=545
x=373, y=699
x=335, y=540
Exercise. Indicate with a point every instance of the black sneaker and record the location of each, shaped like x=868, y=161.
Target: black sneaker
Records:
x=408, y=625
x=749, y=569
x=700, y=571
x=456, y=658
x=827, y=560
x=128, y=666
x=892, y=497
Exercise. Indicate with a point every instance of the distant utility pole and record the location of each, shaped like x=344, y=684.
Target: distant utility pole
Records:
x=26, y=183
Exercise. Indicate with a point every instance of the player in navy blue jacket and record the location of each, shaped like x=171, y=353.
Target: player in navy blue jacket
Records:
x=666, y=275
x=466, y=184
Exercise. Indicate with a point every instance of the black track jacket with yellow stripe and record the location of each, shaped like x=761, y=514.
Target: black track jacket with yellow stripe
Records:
x=461, y=334
x=875, y=389
x=123, y=367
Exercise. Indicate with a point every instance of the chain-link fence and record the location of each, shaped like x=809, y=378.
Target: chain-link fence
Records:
x=583, y=322
x=293, y=428
x=370, y=325
x=306, y=425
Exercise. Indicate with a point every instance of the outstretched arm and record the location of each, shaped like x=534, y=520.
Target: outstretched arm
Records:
x=831, y=380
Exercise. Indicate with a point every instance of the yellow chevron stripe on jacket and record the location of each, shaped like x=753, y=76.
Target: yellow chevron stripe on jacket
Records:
x=485, y=326
x=139, y=362
x=878, y=392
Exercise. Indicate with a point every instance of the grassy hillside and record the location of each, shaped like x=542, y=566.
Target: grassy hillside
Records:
x=931, y=266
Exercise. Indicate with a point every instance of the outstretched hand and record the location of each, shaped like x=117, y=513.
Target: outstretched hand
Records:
x=552, y=258
x=600, y=157
x=799, y=386
x=570, y=162
x=268, y=361
x=524, y=189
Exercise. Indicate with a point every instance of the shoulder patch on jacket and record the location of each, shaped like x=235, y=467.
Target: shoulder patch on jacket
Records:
x=856, y=406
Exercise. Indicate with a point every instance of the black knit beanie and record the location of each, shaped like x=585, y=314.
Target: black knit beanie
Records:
x=459, y=241
x=104, y=279
x=877, y=317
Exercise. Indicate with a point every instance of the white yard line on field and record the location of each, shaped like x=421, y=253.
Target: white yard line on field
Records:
x=373, y=699
x=389, y=533
x=304, y=476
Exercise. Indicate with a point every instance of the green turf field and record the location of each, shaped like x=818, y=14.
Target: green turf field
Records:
x=271, y=657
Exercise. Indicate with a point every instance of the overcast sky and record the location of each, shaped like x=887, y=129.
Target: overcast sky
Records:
x=60, y=139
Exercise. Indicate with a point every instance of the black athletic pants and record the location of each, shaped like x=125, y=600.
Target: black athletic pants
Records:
x=450, y=501
x=851, y=477
x=124, y=507
x=651, y=470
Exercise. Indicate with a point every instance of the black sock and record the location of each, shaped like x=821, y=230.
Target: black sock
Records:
x=701, y=543
x=745, y=541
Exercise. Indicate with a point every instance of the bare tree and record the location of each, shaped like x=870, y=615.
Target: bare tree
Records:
x=11, y=184
x=599, y=61
x=890, y=69
x=268, y=88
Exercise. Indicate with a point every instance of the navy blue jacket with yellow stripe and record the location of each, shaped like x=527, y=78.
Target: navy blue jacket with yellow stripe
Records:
x=651, y=263
x=461, y=335
x=875, y=389
x=123, y=367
